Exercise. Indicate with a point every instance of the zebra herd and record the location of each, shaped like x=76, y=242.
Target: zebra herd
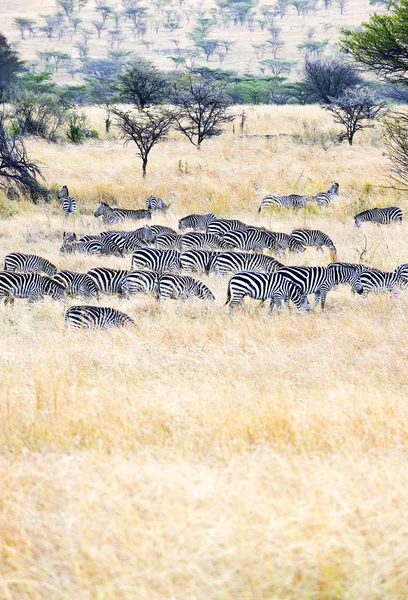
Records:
x=163, y=262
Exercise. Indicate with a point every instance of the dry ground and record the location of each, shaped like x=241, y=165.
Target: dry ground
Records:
x=197, y=455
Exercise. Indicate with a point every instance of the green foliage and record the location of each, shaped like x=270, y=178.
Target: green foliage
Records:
x=142, y=84
x=42, y=114
x=78, y=130
x=10, y=67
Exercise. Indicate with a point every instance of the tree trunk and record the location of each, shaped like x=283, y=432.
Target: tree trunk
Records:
x=144, y=165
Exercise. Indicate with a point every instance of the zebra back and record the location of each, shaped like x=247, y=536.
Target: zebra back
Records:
x=138, y=282
x=378, y=281
x=29, y=285
x=198, y=222
x=28, y=263
x=221, y=226
x=197, y=261
x=154, y=203
x=383, y=216
x=96, y=317
x=107, y=281
x=168, y=240
x=229, y=262
x=77, y=284
x=195, y=241
x=181, y=287
x=156, y=259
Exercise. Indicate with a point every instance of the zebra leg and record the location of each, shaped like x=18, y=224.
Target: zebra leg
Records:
x=323, y=299
x=317, y=299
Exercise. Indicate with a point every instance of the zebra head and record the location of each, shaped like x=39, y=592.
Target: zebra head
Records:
x=147, y=235
x=358, y=220
x=295, y=246
x=334, y=188
x=63, y=193
x=56, y=290
x=355, y=282
x=402, y=271
x=204, y=292
x=68, y=237
x=102, y=208
x=183, y=223
x=67, y=248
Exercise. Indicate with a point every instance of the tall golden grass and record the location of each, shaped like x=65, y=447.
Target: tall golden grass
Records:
x=196, y=455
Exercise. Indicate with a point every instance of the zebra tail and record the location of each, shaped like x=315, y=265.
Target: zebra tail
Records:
x=260, y=208
x=228, y=293
x=157, y=287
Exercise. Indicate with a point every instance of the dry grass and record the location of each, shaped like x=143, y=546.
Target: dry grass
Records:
x=195, y=455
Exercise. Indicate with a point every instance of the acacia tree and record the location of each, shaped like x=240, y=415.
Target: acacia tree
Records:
x=325, y=79
x=203, y=108
x=145, y=128
x=24, y=24
x=142, y=84
x=355, y=109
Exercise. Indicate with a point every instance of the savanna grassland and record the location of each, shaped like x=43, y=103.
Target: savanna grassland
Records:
x=196, y=455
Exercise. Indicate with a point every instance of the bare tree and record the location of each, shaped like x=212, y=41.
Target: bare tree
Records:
x=144, y=128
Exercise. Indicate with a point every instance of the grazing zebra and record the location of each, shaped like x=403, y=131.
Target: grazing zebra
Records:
x=181, y=287
x=225, y=263
x=77, y=284
x=137, y=282
x=107, y=281
x=320, y=280
x=295, y=201
x=168, y=240
x=197, y=261
x=261, y=286
x=402, y=271
x=378, y=281
x=28, y=263
x=68, y=204
x=98, y=246
x=196, y=222
x=251, y=238
x=383, y=216
x=221, y=226
x=160, y=230
x=29, y=285
x=360, y=268
x=96, y=317
x=115, y=215
x=195, y=241
x=126, y=241
x=155, y=259
x=313, y=237
x=325, y=198
x=154, y=203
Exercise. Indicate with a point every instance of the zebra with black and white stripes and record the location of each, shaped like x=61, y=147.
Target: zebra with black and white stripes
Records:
x=250, y=238
x=264, y=286
x=160, y=230
x=181, y=287
x=96, y=317
x=379, y=281
x=170, y=241
x=154, y=203
x=93, y=246
x=221, y=226
x=294, y=201
x=313, y=237
x=28, y=263
x=68, y=204
x=326, y=198
x=225, y=263
x=197, y=241
x=402, y=271
x=136, y=282
x=77, y=284
x=29, y=285
x=381, y=216
x=197, y=261
x=155, y=259
x=320, y=280
x=110, y=215
x=197, y=222
x=107, y=281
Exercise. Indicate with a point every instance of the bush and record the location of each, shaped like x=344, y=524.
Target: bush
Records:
x=78, y=131
x=41, y=115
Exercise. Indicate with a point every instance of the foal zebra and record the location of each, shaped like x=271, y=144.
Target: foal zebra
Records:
x=154, y=203
x=156, y=260
x=221, y=226
x=225, y=263
x=261, y=286
x=77, y=284
x=313, y=237
x=107, y=281
x=380, y=216
x=378, y=281
x=195, y=241
x=197, y=261
x=68, y=204
x=28, y=263
x=196, y=222
x=95, y=317
x=115, y=215
x=28, y=285
x=137, y=282
x=181, y=287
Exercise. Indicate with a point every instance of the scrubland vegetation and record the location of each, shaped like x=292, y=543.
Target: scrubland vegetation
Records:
x=196, y=455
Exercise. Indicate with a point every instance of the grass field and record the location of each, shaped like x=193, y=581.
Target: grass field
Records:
x=197, y=455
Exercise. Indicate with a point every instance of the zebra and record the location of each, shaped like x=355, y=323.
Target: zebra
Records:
x=294, y=201
x=313, y=237
x=196, y=222
x=115, y=215
x=168, y=241
x=29, y=285
x=98, y=246
x=383, y=216
x=359, y=267
x=156, y=259
x=251, y=238
x=195, y=241
x=225, y=263
x=154, y=203
x=402, y=271
x=320, y=280
x=138, y=282
x=181, y=287
x=28, y=263
x=325, y=198
x=68, y=204
x=95, y=317
x=261, y=286
x=221, y=226
x=378, y=281
x=197, y=261
x=107, y=281
x=160, y=230
x=126, y=241
x=77, y=284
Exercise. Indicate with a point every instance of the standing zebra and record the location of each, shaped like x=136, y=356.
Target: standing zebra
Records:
x=95, y=317
x=156, y=260
x=168, y=240
x=261, y=286
x=197, y=261
x=221, y=226
x=107, y=281
x=380, y=216
x=225, y=263
x=320, y=280
x=195, y=241
x=28, y=263
x=136, y=282
x=154, y=203
x=294, y=201
x=378, y=281
x=196, y=222
x=325, y=198
x=77, y=284
x=402, y=271
x=181, y=287
x=250, y=238
x=29, y=285
x=313, y=237
x=115, y=215
x=160, y=230
x=68, y=204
